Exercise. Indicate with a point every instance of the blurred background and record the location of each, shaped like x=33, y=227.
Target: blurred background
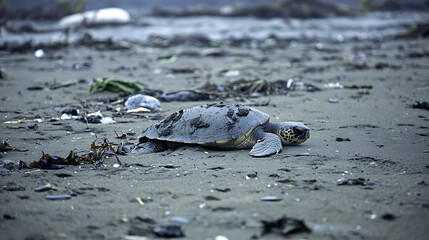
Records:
x=140, y=21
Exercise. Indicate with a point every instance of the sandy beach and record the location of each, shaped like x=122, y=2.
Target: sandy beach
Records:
x=363, y=174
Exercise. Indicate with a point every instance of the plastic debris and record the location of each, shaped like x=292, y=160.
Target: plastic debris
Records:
x=107, y=120
x=333, y=85
x=171, y=59
x=97, y=117
x=116, y=85
x=68, y=114
x=144, y=101
x=139, y=110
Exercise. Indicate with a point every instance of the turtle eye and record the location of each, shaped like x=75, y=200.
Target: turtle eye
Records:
x=282, y=129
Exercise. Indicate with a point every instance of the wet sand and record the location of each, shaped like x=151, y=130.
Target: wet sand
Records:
x=368, y=133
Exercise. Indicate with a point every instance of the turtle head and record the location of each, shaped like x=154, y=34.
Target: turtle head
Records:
x=292, y=133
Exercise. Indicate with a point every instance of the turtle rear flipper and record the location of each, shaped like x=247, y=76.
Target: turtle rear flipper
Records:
x=150, y=146
x=269, y=144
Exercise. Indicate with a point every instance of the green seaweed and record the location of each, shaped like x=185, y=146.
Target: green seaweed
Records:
x=116, y=85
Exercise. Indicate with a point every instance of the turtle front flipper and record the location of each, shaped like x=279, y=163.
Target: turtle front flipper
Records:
x=150, y=146
x=267, y=145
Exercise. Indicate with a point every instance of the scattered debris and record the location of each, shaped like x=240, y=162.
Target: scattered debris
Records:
x=69, y=114
x=355, y=181
x=95, y=157
x=97, y=117
x=284, y=226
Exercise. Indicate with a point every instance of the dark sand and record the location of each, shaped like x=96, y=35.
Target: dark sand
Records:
x=388, y=145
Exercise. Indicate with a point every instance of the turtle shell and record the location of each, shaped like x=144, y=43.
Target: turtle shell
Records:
x=211, y=123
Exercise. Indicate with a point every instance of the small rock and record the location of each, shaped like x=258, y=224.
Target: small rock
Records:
x=44, y=188
x=388, y=216
x=58, y=197
x=339, y=139
x=8, y=164
x=39, y=53
x=178, y=220
x=270, y=199
x=333, y=100
x=168, y=231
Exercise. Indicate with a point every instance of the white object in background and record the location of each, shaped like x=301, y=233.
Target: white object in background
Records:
x=141, y=100
x=96, y=17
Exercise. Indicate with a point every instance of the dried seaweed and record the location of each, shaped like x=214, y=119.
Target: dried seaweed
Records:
x=95, y=157
x=6, y=147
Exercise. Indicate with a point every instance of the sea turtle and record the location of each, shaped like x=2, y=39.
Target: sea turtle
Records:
x=222, y=126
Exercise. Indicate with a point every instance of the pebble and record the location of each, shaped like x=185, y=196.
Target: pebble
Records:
x=58, y=197
x=178, y=220
x=302, y=154
x=44, y=188
x=333, y=100
x=39, y=53
x=270, y=199
x=8, y=164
